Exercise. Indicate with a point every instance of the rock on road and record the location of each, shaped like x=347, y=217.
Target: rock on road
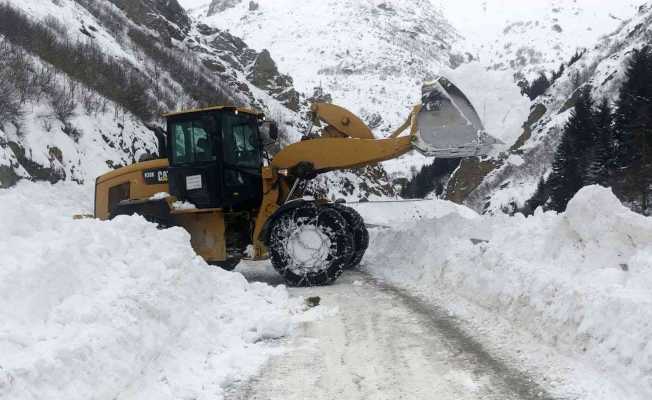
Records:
x=380, y=343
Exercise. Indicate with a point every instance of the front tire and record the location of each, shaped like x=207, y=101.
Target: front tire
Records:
x=310, y=244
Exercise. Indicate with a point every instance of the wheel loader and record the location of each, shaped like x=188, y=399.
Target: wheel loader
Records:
x=215, y=179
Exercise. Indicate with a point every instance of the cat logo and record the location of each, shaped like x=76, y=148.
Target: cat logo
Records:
x=156, y=176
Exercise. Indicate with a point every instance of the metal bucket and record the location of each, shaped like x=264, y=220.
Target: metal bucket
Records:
x=447, y=124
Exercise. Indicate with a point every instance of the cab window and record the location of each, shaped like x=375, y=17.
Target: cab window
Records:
x=192, y=141
x=241, y=143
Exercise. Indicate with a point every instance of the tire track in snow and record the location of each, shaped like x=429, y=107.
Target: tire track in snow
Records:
x=470, y=350
x=383, y=343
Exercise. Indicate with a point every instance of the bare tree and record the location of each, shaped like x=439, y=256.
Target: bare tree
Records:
x=63, y=102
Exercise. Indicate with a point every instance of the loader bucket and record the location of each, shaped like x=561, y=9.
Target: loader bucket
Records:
x=447, y=124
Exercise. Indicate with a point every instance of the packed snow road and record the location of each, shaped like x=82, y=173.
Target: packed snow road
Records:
x=378, y=342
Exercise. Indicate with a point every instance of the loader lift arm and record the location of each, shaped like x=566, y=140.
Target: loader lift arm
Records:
x=345, y=142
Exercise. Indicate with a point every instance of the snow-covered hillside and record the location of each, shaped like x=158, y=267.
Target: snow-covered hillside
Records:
x=66, y=124
x=527, y=37
x=101, y=127
x=580, y=282
x=510, y=180
x=370, y=56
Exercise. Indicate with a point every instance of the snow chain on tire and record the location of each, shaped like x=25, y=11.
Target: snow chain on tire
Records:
x=310, y=244
x=356, y=225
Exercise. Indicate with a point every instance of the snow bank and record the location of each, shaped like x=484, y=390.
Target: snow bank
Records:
x=579, y=281
x=396, y=213
x=120, y=310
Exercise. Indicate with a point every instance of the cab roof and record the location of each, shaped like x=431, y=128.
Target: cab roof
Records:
x=215, y=108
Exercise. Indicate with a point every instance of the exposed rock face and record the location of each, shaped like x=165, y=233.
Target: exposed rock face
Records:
x=221, y=51
x=217, y=6
x=264, y=71
x=52, y=173
x=365, y=54
x=166, y=17
x=265, y=75
x=468, y=177
x=8, y=177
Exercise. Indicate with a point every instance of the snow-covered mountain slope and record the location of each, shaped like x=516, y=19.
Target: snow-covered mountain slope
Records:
x=527, y=37
x=370, y=56
x=160, y=60
x=102, y=127
x=508, y=181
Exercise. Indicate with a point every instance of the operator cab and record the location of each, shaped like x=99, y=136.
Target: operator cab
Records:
x=215, y=157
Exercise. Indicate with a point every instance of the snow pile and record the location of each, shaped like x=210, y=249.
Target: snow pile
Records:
x=120, y=310
x=397, y=213
x=580, y=281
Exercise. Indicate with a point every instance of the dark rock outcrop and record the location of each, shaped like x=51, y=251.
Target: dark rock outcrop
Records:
x=217, y=6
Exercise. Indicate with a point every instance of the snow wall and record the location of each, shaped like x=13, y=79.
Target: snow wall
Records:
x=121, y=310
x=579, y=281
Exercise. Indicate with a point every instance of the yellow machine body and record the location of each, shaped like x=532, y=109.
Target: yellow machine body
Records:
x=344, y=142
x=217, y=159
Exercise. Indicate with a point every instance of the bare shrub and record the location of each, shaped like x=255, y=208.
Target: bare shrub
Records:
x=45, y=78
x=91, y=102
x=54, y=24
x=62, y=101
x=114, y=79
x=47, y=124
x=10, y=107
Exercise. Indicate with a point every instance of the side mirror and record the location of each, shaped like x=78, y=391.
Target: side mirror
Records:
x=269, y=129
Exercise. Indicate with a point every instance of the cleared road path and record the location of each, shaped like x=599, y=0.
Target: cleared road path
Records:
x=380, y=344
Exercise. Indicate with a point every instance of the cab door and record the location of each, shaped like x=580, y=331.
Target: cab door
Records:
x=242, y=161
x=194, y=171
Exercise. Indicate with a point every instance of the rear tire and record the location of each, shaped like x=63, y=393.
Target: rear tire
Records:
x=357, y=227
x=309, y=244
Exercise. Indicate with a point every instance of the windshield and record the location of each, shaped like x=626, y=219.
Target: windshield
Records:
x=192, y=141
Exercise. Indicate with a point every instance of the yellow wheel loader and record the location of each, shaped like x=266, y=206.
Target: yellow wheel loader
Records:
x=216, y=180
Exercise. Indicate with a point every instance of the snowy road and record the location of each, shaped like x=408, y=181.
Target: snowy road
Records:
x=380, y=343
